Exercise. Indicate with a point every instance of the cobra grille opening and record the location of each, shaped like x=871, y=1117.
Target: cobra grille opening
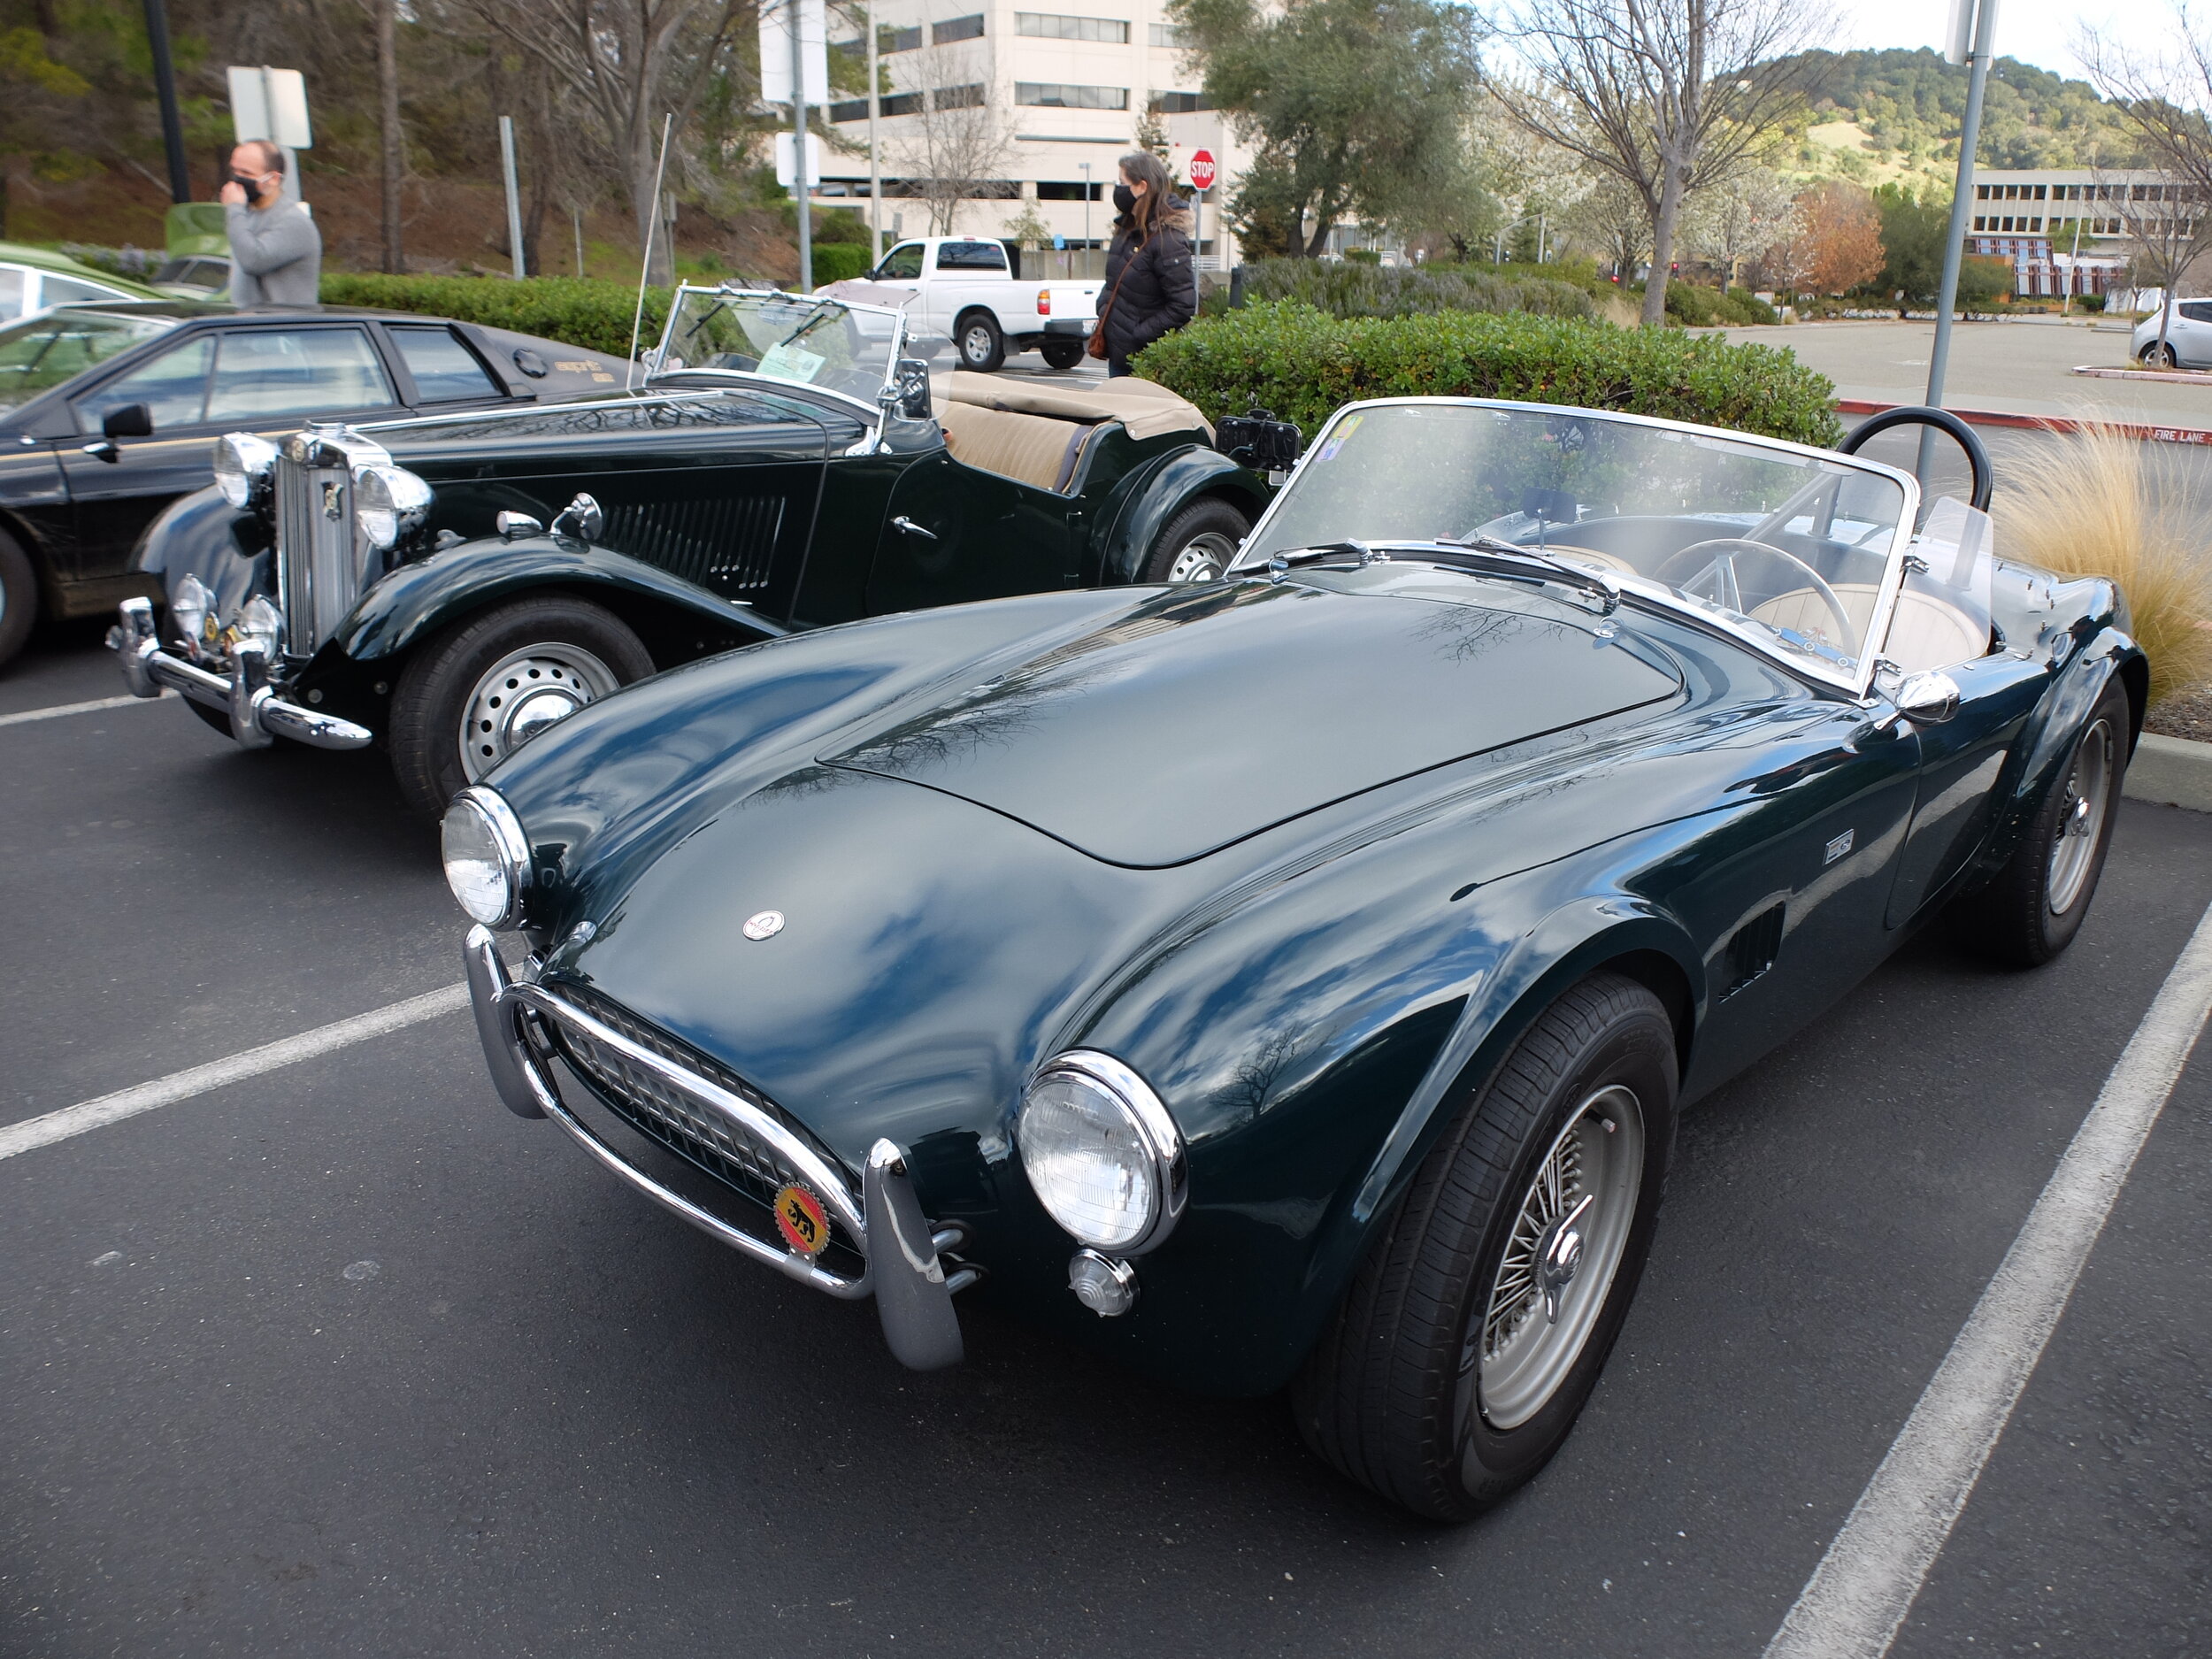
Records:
x=687, y=1126
x=1752, y=951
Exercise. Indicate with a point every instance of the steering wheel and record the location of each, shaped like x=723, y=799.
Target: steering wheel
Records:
x=1981, y=475
x=1721, y=563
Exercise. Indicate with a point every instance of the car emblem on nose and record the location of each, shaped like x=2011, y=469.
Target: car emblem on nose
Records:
x=767, y=925
x=333, y=503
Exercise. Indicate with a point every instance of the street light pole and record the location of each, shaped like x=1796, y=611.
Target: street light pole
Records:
x=875, y=156
x=1979, y=17
x=799, y=186
x=1087, y=204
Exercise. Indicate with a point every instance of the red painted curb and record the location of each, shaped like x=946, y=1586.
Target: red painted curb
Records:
x=2045, y=423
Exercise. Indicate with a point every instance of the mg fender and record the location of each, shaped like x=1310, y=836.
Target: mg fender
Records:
x=1152, y=496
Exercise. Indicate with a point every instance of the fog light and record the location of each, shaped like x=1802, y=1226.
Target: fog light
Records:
x=1107, y=1288
x=187, y=608
x=261, y=624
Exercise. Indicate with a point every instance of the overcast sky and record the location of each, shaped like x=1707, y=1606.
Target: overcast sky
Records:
x=2038, y=32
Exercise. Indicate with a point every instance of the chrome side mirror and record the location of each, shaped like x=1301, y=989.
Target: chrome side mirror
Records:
x=581, y=519
x=908, y=394
x=1928, y=699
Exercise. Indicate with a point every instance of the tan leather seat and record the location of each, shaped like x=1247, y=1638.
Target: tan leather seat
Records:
x=1925, y=632
x=1591, y=557
x=1034, y=449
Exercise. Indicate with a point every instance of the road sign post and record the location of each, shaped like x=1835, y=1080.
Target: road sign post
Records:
x=1201, y=179
x=1973, y=23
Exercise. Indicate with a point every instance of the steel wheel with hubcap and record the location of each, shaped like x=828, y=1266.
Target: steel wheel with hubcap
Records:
x=982, y=348
x=488, y=685
x=1197, y=543
x=1482, y=1312
x=2158, y=356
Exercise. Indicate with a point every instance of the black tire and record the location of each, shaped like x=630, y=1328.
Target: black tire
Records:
x=443, y=678
x=1394, y=1395
x=2034, y=908
x=2157, y=356
x=980, y=346
x=1061, y=354
x=19, y=596
x=1210, y=530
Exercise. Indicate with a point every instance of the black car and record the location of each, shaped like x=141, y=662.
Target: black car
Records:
x=109, y=413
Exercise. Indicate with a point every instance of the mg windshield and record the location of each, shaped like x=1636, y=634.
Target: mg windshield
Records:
x=811, y=342
x=1790, y=549
x=40, y=353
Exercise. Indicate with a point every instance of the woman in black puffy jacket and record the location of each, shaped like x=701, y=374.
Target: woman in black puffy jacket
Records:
x=1151, y=284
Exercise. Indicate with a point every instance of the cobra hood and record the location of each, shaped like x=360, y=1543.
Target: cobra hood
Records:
x=1200, y=718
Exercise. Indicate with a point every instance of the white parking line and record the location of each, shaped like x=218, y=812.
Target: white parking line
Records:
x=1857, y=1598
x=61, y=709
x=167, y=1091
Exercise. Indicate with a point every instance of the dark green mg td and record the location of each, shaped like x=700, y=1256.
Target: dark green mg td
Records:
x=450, y=587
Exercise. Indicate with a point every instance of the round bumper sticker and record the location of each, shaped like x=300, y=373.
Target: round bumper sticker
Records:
x=800, y=1219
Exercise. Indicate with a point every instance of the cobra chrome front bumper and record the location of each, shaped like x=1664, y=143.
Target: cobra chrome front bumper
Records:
x=905, y=1271
x=258, y=717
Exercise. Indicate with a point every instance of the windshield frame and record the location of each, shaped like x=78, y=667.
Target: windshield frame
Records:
x=733, y=291
x=1856, y=683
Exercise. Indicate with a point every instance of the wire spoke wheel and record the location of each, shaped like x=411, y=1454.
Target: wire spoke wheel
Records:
x=2088, y=792
x=521, y=695
x=1560, y=1257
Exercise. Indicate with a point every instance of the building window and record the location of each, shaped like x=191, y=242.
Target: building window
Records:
x=1981, y=193
x=1048, y=190
x=1047, y=94
x=850, y=109
x=967, y=28
x=901, y=104
x=889, y=40
x=1167, y=34
x=1980, y=223
x=1051, y=27
x=967, y=97
x=1178, y=103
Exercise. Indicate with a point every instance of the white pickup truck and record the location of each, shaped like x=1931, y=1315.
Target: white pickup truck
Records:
x=965, y=294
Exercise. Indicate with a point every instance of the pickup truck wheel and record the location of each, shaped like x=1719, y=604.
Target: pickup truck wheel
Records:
x=1197, y=544
x=982, y=347
x=1475, y=1326
x=19, y=596
x=1061, y=354
x=488, y=685
x=2034, y=908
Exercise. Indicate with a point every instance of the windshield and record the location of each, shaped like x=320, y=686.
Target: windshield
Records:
x=1789, y=548
x=813, y=341
x=43, y=352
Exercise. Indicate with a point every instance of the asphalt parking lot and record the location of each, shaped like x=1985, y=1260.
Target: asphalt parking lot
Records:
x=342, y=1358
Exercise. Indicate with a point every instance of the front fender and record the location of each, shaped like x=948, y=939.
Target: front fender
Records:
x=417, y=599
x=201, y=534
x=1155, y=493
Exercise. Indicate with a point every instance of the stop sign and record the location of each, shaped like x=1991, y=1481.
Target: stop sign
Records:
x=1202, y=169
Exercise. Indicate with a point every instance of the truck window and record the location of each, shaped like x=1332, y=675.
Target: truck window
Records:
x=970, y=256
x=903, y=262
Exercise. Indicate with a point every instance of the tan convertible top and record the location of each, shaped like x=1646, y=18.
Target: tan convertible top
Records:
x=1145, y=408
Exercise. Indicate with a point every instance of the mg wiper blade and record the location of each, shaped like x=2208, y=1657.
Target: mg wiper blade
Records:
x=1488, y=555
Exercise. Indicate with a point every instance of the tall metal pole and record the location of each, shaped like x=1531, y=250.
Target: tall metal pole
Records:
x=798, y=147
x=165, y=87
x=514, y=198
x=875, y=155
x=1961, y=205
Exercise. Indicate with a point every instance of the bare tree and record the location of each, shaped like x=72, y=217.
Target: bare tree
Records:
x=1663, y=96
x=1736, y=219
x=628, y=62
x=1609, y=217
x=955, y=144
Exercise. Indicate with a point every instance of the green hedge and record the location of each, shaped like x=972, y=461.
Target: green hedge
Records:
x=584, y=312
x=1304, y=365
x=835, y=261
x=1696, y=307
x=1359, y=290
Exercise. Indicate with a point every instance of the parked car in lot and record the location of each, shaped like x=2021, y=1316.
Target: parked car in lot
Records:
x=110, y=413
x=2188, y=337
x=450, y=586
x=962, y=290
x=38, y=279
x=1295, y=979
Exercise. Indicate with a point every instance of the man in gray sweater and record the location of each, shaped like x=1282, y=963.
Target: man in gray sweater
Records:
x=275, y=251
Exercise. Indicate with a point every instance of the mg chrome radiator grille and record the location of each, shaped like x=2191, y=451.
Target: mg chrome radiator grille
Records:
x=315, y=566
x=718, y=1144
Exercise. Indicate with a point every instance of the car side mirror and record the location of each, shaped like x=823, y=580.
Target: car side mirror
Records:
x=908, y=392
x=1928, y=698
x=131, y=420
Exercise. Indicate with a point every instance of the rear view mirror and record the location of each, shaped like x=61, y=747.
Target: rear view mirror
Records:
x=909, y=391
x=1553, y=506
x=1259, y=441
x=130, y=420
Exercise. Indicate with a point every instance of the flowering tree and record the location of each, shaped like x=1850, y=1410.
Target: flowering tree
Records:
x=1837, y=240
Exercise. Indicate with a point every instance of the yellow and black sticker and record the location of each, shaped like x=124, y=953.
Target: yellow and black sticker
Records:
x=800, y=1218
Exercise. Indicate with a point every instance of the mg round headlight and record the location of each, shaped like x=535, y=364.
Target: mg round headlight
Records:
x=189, y=605
x=486, y=856
x=1100, y=1149
x=389, y=503
x=260, y=623
x=241, y=462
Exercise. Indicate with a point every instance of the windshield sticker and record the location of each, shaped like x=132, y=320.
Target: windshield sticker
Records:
x=1336, y=438
x=788, y=362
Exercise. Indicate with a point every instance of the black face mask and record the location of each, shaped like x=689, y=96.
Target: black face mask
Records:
x=1124, y=199
x=247, y=182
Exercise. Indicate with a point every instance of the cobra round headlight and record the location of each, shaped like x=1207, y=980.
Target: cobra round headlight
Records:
x=1100, y=1151
x=389, y=503
x=242, y=461
x=486, y=856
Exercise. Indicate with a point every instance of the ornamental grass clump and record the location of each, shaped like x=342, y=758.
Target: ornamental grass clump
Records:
x=2098, y=508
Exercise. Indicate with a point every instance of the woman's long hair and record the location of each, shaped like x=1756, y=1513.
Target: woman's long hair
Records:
x=1159, y=207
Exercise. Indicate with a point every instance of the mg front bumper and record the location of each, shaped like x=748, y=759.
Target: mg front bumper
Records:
x=257, y=715
x=905, y=1270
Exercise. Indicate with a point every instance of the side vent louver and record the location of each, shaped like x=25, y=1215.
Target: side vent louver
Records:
x=726, y=545
x=1752, y=951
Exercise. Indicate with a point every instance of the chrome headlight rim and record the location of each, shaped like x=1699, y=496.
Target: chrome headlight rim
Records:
x=511, y=845
x=1156, y=1132
x=245, y=462
x=389, y=504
